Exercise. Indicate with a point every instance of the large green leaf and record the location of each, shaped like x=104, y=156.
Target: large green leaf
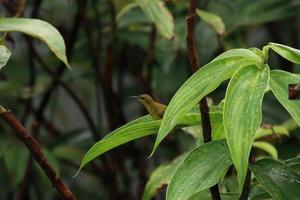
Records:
x=212, y=19
x=278, y=179
x=287, y=52
x=201, y=169
x=201, y=83
x=160, y=177
x=279, y=85
x=243, y=113
x=156, y=11
x=138, y=128
x=5, y=54
x=39, y=29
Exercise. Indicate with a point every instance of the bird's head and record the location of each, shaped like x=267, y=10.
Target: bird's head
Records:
x=144, y=99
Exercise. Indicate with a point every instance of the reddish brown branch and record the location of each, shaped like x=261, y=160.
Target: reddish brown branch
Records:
x=193, y=58
x=35, y=149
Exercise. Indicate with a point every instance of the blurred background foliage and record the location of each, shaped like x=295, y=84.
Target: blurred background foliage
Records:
x=113, y=56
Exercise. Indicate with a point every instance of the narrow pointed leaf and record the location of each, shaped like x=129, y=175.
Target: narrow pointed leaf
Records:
x=201, y=169
x=278, y=179
x=279, y=85
x=156, y=11
x=138, y=128
x=39, y=29
x=201, y=83
x=287, y=52
x=212, y=19
x=160, y=177
x=5, y=54
x=243, y=113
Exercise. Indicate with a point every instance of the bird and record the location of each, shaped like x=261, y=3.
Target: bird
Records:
x=155, y=109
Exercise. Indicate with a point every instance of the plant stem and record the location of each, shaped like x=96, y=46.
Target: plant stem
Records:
x=204, y=110
x=35, y=149
x=247, y=184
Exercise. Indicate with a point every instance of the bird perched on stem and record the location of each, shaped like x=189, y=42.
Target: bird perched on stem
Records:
x=155, y=108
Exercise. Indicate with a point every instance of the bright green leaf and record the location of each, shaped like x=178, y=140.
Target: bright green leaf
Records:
x=39, y=29
x=243, y=113
x=287, y=52
x=267, y=147
x=279, y=84
x=201, y=169
x=212, y=19
x=5, y=54
x=138, y=128
x=201, y=83
x=156, y=11
x=160, y=177
x=277, y=178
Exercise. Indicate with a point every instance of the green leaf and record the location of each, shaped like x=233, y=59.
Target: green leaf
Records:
x=156, y=11
x=15, y=160
x=243, y=113
x=201, y=169
x=39, y=29
x=267, y=147
x=126, y=9
x=206, y=195
x=294, y=163
x=212, y=19
x=277, y=178
x=160, y=177
x=286, y=52
x=5, y=54
x=138, y=128
x=279, y=85
x=201, y=83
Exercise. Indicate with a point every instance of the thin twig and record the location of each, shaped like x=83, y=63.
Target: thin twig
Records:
x=204, y=110
x=35, y=149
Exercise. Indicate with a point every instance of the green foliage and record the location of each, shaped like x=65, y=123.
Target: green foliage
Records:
x=267, y=147
x=201, y=169
x=125, y=47
x=159, y=15
x=16, y=167
x=243, y=99
x=277, y=178
x=39, y=29
x=160, y=177
x=279, y=83
x=286, y=52
x=200, y=84
x=214, y=20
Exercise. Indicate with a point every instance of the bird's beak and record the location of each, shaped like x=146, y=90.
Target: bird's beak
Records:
x=133, y=97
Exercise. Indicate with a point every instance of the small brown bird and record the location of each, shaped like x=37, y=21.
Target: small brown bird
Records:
x=155, y=109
